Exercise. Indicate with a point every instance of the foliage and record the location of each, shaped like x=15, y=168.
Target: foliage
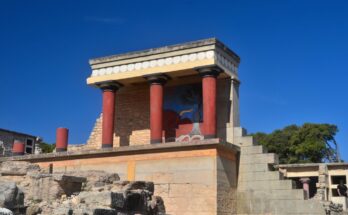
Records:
x=46, y=147
x=309, y=143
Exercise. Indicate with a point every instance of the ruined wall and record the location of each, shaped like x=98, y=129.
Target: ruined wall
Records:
x=132, y=122
x=201, y=181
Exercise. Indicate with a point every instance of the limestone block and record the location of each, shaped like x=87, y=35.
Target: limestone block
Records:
x=162, y=189
x=253, y=168
x=33, y=210
x=18, y=168
x=53, y=186
x=179, y=205
x=269, y=158
x=260, y=176
x=267, y=185
x=297, y=207
x=253, y=150
x=104, y=198
x=95, y=178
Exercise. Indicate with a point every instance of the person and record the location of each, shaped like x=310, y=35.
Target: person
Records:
x=342, y=189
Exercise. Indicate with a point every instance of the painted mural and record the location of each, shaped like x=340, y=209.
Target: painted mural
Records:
x=183, y=113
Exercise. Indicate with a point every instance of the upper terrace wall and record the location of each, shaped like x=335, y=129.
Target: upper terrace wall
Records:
x=132, y=108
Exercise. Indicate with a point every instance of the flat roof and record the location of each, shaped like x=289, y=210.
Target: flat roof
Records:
x=174, y=61
x=165, y=49
x=16, y=132
x=299, y=165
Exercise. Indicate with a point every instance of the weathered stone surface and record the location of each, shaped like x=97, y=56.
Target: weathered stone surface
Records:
x=103, y=198
x=53, y=186
x=5, y=211
x=96, y=178
x=18, y=168
x=10, y=196
x=79, y=193
x=33, y=210
x=144, y=185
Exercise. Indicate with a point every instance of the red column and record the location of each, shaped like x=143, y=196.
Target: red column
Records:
x=62, y=139
x=156, y=106
x=305, y=184
x=109, y=94
x=209, y=76
x=18, y=148
x=156, y=111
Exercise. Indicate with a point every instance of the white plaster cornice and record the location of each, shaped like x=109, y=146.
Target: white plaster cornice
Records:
x=169, y=59
x=221, y=60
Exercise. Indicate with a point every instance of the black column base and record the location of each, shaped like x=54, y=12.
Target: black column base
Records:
x=209, y=136
x=106, y=146
x=17, y=153
x=156, y=141
x=61, y=149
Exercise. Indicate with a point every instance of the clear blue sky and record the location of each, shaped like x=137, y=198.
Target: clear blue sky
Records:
x=294, y=57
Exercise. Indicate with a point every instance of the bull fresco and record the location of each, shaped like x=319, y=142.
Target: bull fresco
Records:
x=183, y=113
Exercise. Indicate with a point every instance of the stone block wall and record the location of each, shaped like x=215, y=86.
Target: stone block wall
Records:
x=196, y=181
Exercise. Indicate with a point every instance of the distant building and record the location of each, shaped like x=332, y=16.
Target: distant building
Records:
x=7, y=138
x=322, y=179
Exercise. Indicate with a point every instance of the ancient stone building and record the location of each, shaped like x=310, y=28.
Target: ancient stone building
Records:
x=7, y=138
x=170, y=115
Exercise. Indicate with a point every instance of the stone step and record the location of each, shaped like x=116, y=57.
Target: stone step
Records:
x=311, y=207
x=268, y=158
x=261, y=176
x=295, y=194
x=248, y=150
x=248, y=141
x=267, y=185
x=243, y=168
x=281, y=207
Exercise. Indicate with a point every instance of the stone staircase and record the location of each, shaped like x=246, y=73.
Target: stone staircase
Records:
x=263, y=190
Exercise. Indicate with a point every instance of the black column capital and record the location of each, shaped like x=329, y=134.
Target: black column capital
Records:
x=208, y=71
x=157, y=78
x=109, y=85
x=235, y=81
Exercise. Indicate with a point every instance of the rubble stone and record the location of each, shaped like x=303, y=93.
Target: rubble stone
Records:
x=10, y=196
x=76, y=192
x=5, y=211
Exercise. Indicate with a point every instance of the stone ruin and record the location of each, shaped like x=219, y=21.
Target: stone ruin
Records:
x=25, y=188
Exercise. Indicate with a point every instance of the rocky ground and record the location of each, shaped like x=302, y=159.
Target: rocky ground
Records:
x=27, y=189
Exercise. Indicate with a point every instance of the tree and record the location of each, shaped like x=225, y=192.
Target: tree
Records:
x=46, y=147
x=309, y=143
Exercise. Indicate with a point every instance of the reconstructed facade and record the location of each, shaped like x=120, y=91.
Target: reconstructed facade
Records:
x=176, y=93
x=171, y=115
